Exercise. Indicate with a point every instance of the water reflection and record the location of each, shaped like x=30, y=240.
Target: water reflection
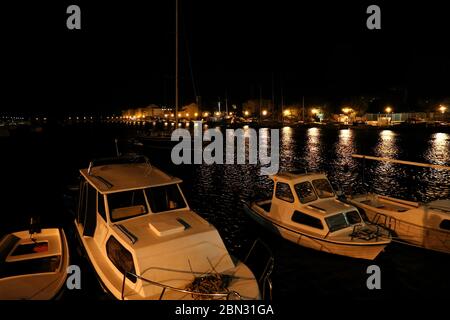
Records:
x=313, y=155
x=385, y=174
x=439, y=149
x=387, y=144
x=438, y=152
x=345, y=166
x=287, y=149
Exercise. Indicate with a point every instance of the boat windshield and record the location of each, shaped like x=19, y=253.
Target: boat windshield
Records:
x=323, y=188
x=305, y=192
x=127, y=204
x=343, y=220
x=165, y=198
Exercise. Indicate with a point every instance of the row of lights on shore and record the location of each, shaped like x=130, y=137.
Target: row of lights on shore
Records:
x=346, y=110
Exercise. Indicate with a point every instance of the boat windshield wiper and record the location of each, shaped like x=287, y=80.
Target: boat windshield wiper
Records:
x=128, y=233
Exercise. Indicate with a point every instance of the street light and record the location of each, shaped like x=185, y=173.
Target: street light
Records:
x=287, y=112
x=246, y=113
x=346, y=110
x=264, y=113
x=442, y=109
x=388, y=111
x=314, y=111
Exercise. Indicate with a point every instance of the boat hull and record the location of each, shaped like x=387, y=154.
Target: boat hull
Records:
x=367, y=251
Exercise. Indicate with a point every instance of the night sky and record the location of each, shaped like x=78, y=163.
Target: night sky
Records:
x=124, y=55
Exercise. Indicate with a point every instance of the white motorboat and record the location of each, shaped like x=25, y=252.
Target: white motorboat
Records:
x=424, y=225
x=305, y=210
x=33, y=266
x=144, y=241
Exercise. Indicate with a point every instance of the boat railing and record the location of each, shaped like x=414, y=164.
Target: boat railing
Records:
x=265, y=277
x=228, y=295
x=124, y=159
x=389, y=222
x=359, y=232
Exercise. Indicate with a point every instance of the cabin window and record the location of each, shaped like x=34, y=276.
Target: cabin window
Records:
x=353, y=217
x=343, y=220
x=101, y=205
x=165, y=198
x=323, y=188
x=283, y=192
x=307, y=220
x=120, y=257
x=305, y=192
x=336, y=222
x=445, y=224
x=127, y=204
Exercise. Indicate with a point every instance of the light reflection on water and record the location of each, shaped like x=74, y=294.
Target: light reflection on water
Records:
x=313, y=151
x=438, y=152
x=386, y=173
x=439, y=149
x=346, y=167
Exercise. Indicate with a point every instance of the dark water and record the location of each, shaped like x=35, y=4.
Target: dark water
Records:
x=37, y=167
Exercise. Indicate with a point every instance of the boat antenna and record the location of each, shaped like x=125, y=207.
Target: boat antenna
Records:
x=176, y=64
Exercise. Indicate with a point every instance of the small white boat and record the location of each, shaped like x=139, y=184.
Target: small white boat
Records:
x=424, y=225
x=33, y=266
x=305, y=210
x=144, y=242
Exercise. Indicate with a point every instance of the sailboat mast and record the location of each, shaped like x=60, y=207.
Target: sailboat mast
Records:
x=176, y=64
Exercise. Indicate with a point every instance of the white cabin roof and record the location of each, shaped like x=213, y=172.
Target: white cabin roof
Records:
x=294, y=178
x=112, y=178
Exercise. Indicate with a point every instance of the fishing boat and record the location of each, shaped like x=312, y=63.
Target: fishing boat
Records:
x=424, y=225
x=304, y=209
x=144, y=242
x=33, y=265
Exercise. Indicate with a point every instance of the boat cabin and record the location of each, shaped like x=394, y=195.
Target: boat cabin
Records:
x=308, y=201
